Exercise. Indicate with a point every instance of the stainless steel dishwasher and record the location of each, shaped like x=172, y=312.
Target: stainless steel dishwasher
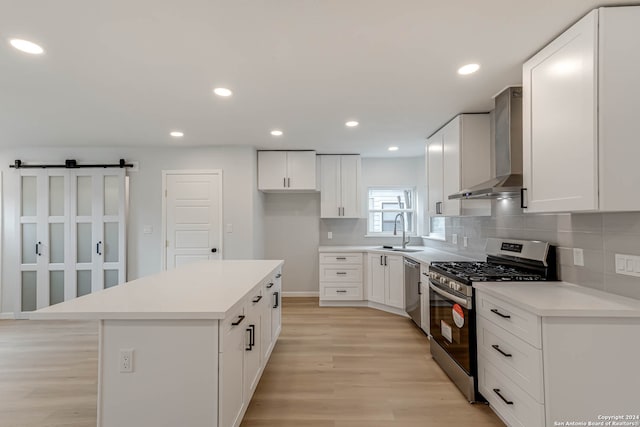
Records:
x=412, y=289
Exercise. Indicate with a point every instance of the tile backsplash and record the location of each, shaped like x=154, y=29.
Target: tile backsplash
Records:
x=599, y=235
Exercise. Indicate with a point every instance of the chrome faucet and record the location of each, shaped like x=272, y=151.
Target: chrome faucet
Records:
x=395, y=230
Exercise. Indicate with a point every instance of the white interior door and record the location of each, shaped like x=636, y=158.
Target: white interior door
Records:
x=193, y=217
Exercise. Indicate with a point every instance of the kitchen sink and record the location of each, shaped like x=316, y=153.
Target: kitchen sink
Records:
x=401, y=250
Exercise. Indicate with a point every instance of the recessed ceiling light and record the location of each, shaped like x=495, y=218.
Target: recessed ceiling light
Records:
x=468, y=69
x=222, y=91
x=276, y=132
x=394, y=148
x=351, y=123
x=26, y=46
x=177, y=134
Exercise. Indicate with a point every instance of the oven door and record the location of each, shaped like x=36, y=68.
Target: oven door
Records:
x=451, y=323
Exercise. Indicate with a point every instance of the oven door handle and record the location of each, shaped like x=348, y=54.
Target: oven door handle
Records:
x=443, y=294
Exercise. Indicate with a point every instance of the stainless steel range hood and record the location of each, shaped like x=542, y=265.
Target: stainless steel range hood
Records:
x=507, y=125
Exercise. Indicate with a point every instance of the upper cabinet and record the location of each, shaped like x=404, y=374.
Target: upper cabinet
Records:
x=458, y=156
x=281, y=171
x=340, y=182
x=580, y=102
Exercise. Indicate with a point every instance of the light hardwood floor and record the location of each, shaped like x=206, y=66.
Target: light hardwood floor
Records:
x=332, y=367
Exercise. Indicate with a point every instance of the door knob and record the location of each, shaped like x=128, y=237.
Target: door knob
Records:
x=214, y=250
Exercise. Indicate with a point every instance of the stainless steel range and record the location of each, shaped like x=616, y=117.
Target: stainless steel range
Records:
x=451, y=302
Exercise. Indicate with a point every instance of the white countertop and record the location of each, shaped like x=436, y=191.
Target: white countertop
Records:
x=205, y=290
x=561, y=299
x=426, y=254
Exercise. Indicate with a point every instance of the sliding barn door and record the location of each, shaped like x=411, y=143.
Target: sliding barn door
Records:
x=72, y=225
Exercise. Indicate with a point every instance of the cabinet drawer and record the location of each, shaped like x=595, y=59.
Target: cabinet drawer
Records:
x=341, y=273
x=341, y=258
x=520, y=361
x=523, y=411
x=515, y=320
x=333, y=291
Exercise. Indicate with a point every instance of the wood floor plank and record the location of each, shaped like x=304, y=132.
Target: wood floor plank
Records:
x=332, y=367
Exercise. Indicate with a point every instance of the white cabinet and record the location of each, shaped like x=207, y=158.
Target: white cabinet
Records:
x=579, y=108
x=341, y=276
x=247, y=338
x=386, y=280
x=458, y=156
x=340, y=182
x=281, y=171
x=541, y=370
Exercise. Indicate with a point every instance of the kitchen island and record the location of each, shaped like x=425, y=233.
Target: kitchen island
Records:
x=183, y=347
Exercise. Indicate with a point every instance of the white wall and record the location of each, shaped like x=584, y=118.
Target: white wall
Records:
x=242, y=202
x=291, y=234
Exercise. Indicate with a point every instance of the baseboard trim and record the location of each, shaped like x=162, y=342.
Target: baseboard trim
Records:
x=301, y=294
x=369, y=304
x=7, y=316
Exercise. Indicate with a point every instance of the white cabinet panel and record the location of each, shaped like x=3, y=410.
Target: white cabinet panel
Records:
x=377, y=278
x=232, y=348
x=395, y=281
x=451, y=159
x=287, y=171
x=340, y=182
x=580, y=126
x=434, y=174
x=560, y=122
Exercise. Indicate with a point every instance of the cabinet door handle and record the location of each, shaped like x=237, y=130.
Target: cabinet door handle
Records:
x=289, y=182
x=438, y=208
x=419, y=291
x=341, y=273
x=270, y=285
x=253, y=335
x=522, y=198
x=38, y=249
x=237, y=322
x=497, y=348
x=341, y=291
x=381, y=260
x=504, y=316
x=385, y=260
x=249, y=329
x=257, y=299
x=98, y=251
x=276, y=295
x=497, y=391
x=284, y=182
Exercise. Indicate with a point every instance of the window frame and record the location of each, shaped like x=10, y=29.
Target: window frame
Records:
x=413, y=211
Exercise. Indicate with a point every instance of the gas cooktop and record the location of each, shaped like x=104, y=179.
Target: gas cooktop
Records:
x=482, y=271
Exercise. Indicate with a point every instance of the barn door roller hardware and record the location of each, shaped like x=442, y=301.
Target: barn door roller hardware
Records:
x=70, y=164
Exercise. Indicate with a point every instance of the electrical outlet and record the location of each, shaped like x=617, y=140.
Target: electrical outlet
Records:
x=329, y=235
x=229, y=228
x=454, y=239
x=578, y=257
x=126, y=360
x=465, y=241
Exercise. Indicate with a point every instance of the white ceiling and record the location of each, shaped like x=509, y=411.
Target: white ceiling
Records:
x=126, y=72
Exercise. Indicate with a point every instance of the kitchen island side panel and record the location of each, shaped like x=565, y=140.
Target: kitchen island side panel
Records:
x=175, y=373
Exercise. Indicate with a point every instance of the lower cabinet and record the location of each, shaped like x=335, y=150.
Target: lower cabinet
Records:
x=587, y=364
x=341, y=277
x=386, y=279
x=247, y=339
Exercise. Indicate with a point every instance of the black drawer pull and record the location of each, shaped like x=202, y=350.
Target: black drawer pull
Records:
x=497, y=391
x=278, y=276
x=257, y=299
x=276, y=302
x=341, y=258
x=341, y=291
x=504, y=316
x=341, y=273
x=270, y=285
x=237, y=322
x=497, y=348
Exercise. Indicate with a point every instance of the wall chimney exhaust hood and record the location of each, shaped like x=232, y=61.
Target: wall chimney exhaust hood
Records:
x=507, y=125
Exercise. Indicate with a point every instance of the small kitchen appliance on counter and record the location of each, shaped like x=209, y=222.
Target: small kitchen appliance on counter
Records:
x=451, y=301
